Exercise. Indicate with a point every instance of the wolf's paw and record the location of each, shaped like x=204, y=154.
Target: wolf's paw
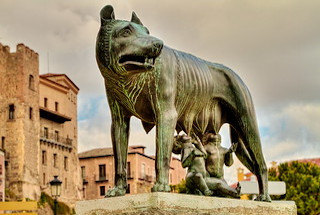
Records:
x=263, y=198
x=208, y=193
x=161, y=187
x=238, y=189
x=116, y=191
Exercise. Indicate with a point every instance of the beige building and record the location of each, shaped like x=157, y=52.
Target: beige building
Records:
x=38, y=126
x=58, y=135
x=97, y=170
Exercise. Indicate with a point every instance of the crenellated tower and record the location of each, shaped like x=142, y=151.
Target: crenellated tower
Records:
x=19, y=114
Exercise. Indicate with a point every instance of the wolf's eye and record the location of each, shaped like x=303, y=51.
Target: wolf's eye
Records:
x=125, y=32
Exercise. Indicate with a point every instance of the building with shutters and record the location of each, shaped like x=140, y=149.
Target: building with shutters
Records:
x=97, y=171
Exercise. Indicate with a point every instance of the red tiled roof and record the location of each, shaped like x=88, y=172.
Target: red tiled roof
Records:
x=249, y=174
x=54, y=82
x=55, y=75
x=100, y=152
x=310, y=160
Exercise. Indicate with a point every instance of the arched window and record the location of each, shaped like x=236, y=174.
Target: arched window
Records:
x=11, y=111
x=31, y=82
x=56, y=106
x=45, y=102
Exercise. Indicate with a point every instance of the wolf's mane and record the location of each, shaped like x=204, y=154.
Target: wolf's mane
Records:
x=105, y=51
x=104, y=43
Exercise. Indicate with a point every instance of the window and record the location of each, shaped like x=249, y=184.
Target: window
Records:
x=56, y=136
x=46, y=132
x=128, y=170
x=65, y=163
x=30, y=113
x=143, y=170
x=128, y=189
x=102, y=190
x=84, y=192
x=11, y=111
x=44, y=157
x=45, y=102
x=44, y=179
x=102, y=172
x=83, y=173
x=31, y=82
x=55, y=158
x=56, y=106
x=3, y=139
x=68, y=140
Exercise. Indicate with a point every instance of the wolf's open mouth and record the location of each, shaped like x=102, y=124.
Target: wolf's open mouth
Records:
x=134, y=60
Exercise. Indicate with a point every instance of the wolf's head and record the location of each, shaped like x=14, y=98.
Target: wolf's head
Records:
x=125, y=45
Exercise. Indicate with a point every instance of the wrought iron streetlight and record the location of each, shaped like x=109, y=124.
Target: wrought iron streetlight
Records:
x=55, y=186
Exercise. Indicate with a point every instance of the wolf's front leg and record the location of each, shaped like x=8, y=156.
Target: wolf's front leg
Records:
x=119, y=135
x=164, y=140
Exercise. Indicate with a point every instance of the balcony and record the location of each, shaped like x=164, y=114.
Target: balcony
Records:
x=53, y=138
x=148, y=178
x=130, y=175
x=101, y=178
x=53, y=115
x=84, y=180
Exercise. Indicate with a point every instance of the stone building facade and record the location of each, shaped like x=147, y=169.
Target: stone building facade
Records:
x=58, y=135
x=97, y=170
x=23, y=116
x=2, y=176
x=19, y=90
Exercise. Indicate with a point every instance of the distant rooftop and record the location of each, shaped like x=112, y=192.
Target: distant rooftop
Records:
x=101, y=152
x=48, y=75
x=310, y=160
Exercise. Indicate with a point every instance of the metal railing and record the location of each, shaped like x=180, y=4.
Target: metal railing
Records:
x=101, y=178
x=145, y=177
x=55, y=137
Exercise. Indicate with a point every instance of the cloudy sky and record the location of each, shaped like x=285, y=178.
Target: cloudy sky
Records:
x=273, y=45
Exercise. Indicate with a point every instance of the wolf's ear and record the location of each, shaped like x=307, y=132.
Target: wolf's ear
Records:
x=106, y=14
x=135, y=19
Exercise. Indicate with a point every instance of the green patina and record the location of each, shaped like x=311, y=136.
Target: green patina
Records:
x=170, y=90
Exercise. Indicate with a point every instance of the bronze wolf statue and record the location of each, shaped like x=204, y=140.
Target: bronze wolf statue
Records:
x=171, y=90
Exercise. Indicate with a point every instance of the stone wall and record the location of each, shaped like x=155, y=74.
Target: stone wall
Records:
x=21, y=133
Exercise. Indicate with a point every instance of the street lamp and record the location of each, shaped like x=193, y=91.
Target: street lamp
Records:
x=55, y=185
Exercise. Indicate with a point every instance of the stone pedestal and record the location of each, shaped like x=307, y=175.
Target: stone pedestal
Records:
x=174, y=204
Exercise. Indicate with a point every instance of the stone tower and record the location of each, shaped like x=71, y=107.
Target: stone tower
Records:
x=19, y=119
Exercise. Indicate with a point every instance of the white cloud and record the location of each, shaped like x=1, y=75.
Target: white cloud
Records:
x=291, y=132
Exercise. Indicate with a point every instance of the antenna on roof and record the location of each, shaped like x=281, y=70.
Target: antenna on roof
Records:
x=48, y=61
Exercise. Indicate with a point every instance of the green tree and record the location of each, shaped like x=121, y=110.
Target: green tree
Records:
x=179, y=188
x=302, y=183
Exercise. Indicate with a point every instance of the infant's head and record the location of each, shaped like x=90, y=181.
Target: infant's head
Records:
x=216, y=138
x=180, y=142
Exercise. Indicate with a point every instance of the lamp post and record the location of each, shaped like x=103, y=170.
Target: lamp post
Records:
x=55, y=185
